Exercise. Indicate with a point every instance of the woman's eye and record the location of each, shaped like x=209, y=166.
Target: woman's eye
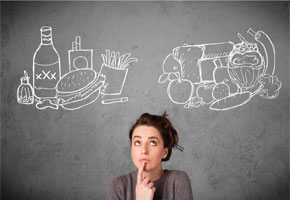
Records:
x=137, y=143
x=153, y=143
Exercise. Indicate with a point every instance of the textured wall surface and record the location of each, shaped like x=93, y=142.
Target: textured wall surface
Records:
x=48, y=154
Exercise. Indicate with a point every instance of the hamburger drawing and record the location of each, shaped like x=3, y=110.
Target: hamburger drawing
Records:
x=79, y=88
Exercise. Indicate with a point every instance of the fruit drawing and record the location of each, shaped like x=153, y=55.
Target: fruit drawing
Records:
x=220, y=91
x=222, y=75
x=180, y=90
x=205, y=92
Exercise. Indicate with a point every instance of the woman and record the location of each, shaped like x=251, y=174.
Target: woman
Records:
x=152, y=139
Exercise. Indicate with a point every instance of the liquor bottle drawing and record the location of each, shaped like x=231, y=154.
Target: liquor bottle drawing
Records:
x=46, y=66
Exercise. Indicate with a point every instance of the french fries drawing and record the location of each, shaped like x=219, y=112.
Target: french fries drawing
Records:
x=115, y=69
x=82, y=85
x=115, y=61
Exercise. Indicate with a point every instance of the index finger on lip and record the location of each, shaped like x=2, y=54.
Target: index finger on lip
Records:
x=140, y=173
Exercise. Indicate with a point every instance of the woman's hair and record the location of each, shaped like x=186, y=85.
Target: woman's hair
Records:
x=165, y=128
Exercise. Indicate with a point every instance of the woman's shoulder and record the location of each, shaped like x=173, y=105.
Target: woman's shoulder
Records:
x=177, y=175
x=121, y=185
x=176, y=172
x=178, y=184
x=124, y=179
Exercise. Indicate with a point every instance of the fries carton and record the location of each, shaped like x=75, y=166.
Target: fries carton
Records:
x=115, y=79
x=114, y=68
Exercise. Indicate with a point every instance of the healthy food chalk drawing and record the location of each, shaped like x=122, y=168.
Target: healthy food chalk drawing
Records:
x=81, y=86
x=222, y=75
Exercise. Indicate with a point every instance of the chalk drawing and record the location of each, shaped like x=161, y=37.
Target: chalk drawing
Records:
x=222, y=75
x=46, y=66
x=79, y=58
x=81, y=86
x=116, y=100
x=25, y=91
x=47, y=103
x=115, y=69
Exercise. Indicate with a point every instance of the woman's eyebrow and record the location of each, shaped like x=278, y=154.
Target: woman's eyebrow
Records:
x=153, y=137
x=137, y=136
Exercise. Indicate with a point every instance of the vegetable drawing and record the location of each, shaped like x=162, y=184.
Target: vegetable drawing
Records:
x=225, y=75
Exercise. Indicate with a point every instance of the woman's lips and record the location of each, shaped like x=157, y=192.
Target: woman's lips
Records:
x=144, y=160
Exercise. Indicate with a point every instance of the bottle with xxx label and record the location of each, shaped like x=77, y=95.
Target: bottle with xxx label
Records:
x=46, y=66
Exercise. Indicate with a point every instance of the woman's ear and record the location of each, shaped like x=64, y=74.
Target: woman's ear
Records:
x=165, y=152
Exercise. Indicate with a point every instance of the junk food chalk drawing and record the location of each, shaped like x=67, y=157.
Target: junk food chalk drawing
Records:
x=81, y=86
x=46, y=68
x=79, y=58
x=25, y=91
x=222, y=75
x=115, y=69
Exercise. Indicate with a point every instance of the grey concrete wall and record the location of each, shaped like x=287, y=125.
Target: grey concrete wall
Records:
x=58, y=154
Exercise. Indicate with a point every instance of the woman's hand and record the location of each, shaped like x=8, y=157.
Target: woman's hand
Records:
x=144, y=187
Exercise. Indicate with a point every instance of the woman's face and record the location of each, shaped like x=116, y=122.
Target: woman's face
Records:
x=147, y=147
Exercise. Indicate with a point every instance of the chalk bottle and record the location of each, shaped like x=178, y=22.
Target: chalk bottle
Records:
x=46, y=66
x=24, y=91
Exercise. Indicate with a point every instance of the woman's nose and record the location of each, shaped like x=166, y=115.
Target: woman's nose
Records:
x=144, y=149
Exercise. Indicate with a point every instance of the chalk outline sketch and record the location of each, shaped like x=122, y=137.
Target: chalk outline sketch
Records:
x=81, y=54
x=87, y=94
x=114, y=62
x=116, y=100
x=36, y=76
x=264, y=84
x=95, y=87
x=25, y=91
x=47, y=101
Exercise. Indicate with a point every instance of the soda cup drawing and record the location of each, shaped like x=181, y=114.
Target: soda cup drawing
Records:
x=46, y=66
x=79, y=58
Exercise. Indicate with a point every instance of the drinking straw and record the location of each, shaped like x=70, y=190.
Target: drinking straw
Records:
x=74, y=46
x=78, y=42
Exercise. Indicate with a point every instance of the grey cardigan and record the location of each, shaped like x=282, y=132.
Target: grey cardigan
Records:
x=172, y=185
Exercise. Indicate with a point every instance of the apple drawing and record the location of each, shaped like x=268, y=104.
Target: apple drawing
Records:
x=205, y=92
x=221, y=75
x=180, y=90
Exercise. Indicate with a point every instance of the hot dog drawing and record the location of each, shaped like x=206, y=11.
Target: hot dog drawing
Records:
x=222, y=75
